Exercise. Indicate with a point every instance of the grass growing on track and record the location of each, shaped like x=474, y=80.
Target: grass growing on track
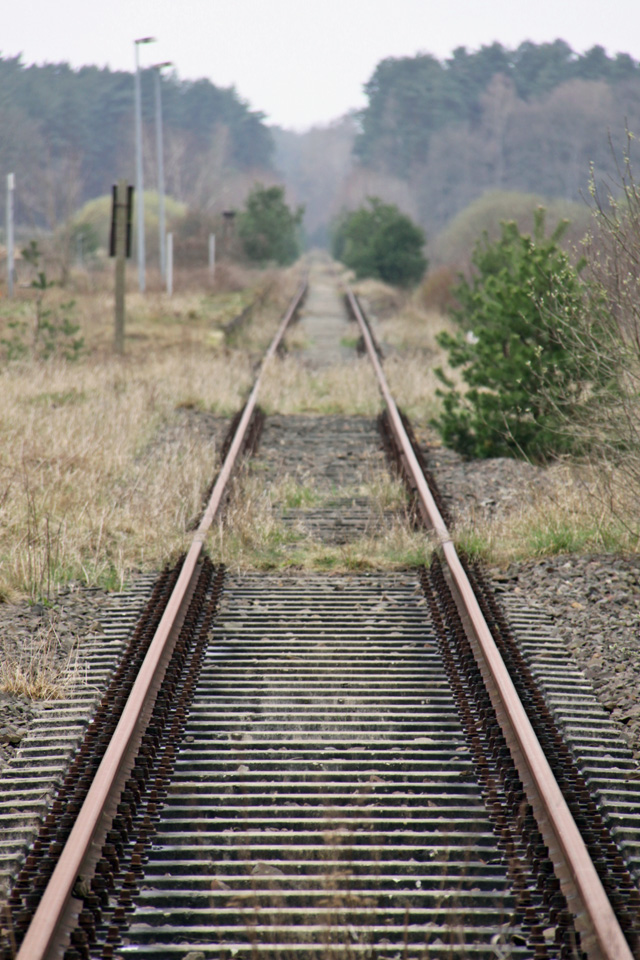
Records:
x=254, y=535
x=101, y=470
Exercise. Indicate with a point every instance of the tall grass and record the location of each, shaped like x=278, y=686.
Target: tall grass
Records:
x=565, y=514
x=100, y=474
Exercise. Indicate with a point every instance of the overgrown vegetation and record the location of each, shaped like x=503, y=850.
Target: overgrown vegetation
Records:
x=564, y=514
x=53, y=331
x=528, y=374
x=379, y=241
x=611, y=428
x=38, y=671
x=254, y=532
x=103, y=463
x=268, y=229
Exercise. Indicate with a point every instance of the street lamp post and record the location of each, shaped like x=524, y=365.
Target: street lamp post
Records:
x=161, y=219
x=139, y=175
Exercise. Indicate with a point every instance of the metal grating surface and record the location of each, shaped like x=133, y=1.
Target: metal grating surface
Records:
x=31, y=777
x=324, y=801
x=602, y=756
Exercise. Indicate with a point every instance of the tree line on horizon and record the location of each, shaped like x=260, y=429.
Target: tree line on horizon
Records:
x=68, y=134
x=437, y=134
x=434, y=136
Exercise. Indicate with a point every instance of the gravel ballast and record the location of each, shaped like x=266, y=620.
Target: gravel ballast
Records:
x=593, y=599
x=43, y=639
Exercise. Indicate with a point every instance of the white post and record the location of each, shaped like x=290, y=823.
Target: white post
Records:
x=11, y=182
x=212, y=253
x=170, y=263
x=139, y=174
x=161, y=226
x=160, y=160
x=139, y=177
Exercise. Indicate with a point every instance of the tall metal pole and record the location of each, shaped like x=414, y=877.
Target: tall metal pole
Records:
x=139, y=174
x=10, y=189
x=160, y=153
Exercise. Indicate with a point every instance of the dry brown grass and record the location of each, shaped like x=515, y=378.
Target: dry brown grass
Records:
x=80, y=498
x=569, y=512
x=289, y=386
x=86, y=492
x=408, y=332
x=89, y=491
x=38, y=672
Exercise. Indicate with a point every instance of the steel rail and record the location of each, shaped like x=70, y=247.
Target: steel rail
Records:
x=54, y=917
x=601, y=935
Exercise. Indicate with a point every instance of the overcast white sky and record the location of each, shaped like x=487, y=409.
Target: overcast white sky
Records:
x=301, y=62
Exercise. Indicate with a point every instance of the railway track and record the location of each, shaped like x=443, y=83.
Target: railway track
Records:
x=330, y=766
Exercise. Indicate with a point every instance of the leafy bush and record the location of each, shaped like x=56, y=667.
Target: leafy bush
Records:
x=268, y=229
x=527, y=378
x=381, y=242
x=94, y=219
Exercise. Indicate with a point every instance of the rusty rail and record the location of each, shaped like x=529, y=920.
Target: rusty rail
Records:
x=57, y=911
x=601, y=935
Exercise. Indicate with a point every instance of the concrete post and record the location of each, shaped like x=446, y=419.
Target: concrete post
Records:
x=170, y=263
x=11, y=180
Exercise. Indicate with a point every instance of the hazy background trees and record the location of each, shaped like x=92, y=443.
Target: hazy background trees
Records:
x=434, y=137
x=53, y=116
x=437, y=135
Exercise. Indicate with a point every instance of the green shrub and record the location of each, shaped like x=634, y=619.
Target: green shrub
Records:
x=268, y=229
x=93, y=221
x=381, y=242
x=527, y=376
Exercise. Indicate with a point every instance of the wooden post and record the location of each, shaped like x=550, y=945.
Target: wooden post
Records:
x=169, y=263
x=120, y=235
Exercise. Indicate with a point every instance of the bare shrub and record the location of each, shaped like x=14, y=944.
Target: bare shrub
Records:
x=437, y=291
x=611, y=332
